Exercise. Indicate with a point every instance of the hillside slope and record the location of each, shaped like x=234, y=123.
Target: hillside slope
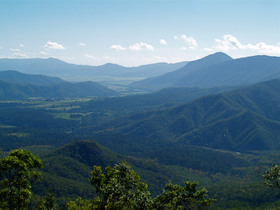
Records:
x=164, y=98
x=67, y=169
x=16, y=77
x=242, y=71
x=15, y=85
x=168, y=79
x=212, y=121
x=226, y=72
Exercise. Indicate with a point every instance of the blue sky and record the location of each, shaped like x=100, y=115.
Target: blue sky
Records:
x=135, y=32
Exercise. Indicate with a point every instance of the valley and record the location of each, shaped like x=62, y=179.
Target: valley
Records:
x=223, y=131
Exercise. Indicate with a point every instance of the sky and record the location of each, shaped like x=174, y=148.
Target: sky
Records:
x=137, y=32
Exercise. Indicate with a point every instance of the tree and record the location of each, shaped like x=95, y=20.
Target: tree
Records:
x=119, y=188
x=79, y=204
x=272, y=176
x=179, y=197
x=48, y=202
x=16, y=170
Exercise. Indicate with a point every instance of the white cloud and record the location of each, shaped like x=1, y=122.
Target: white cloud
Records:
x=44, y=53
x=230, y=42
x=90, y=56
x=208, y=49
x=15, y=50
x=163, y=42
x=106, y=57
x=22, y=55
x=82, y=44
x=183, y=48
x=141, y=46
x=264, y=48
x=159, y=57
x=21, y=45
x=117, y=47
x=189, y=40
x=54, y=46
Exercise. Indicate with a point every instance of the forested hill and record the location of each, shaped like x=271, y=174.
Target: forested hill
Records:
x=142, y=102
x=16, y=86
x=227, y=72
x=241, y=120
x=16, y=77
x=72, y=163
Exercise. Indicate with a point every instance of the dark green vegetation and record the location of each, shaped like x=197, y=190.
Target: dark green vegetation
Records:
x=179, y=197
x=272, y=176
x=42, y=126
x=242, y=120
x=15, y=173
x=118, y=188
x=223, y=137
x=119, y=106
x=72, y=163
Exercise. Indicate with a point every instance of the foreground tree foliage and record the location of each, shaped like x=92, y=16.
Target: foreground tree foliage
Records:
x=179, y=197
x=16, y=170
x=272, y=176
x=120, y=188
x=48, y=202
x=80, y=204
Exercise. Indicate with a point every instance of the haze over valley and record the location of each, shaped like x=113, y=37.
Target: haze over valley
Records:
x=192, y=96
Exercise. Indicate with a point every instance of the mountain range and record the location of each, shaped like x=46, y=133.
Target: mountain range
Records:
x=216, y=70
x=58, y=68
x=16, y=85
x=216, y=121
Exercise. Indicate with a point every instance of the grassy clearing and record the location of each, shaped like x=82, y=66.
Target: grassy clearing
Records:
x=18, y=134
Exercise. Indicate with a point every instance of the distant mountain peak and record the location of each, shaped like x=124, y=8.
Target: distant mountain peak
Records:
x=220, y=54
x=217, y=56
x=111, y=65
x=52, y=58
x=55, y=60
x=215, y=70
